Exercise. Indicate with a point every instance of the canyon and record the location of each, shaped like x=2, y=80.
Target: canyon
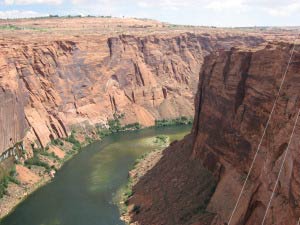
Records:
x=53, y=81
x=62, y=75
x=198, y=180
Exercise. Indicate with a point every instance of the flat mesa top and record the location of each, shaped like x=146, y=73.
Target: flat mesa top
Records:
x=66, y=27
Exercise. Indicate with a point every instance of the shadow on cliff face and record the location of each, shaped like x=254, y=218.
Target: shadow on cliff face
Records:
x=234, y=100
x=71, y=81
x=161, y=195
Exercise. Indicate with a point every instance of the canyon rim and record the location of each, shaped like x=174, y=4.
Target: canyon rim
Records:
x=63, y=79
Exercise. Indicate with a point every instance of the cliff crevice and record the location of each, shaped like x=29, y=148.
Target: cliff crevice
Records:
x=72, y=81
x=229, y=121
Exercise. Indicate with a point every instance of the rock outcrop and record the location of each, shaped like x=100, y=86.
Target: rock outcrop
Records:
x=12, y=119
x=55, y=84
x=12, y=101
x=198, y=180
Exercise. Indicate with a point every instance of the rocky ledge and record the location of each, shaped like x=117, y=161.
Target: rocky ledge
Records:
x=51, y=86
x=197, y=181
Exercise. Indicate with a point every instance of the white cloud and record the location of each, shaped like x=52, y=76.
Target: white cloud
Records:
x=272, y=7
x=220, y=12
x=168, y=4
x=30, y=2
x=233, y=5
x=286, y=10
x=12, y=14
x=157, y=4
x=98, y=2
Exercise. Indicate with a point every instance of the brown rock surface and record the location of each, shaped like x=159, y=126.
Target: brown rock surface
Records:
x=57, y=151
x=235, y=95
x=62, y=79
x=57, y=73
x=12, y=119
x=26, y=176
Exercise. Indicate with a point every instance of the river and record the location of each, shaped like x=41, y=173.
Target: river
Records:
x=83, y=190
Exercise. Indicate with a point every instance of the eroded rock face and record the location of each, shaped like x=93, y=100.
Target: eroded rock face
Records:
x=85, y=81
x=12, y=118
x=236, y=91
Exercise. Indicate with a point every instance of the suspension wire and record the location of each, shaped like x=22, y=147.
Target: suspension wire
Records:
x=265, y=129
x=281, y=167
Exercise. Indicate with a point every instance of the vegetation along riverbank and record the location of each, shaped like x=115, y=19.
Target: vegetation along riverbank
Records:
x=37, y=166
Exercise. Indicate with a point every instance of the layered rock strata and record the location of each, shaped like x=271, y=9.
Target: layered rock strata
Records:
x=51, y=85
x=198, y=180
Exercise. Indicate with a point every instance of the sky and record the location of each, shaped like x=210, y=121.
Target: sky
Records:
x=224, y=13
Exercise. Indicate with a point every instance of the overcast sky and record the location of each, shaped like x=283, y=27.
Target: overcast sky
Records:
x=193, y=12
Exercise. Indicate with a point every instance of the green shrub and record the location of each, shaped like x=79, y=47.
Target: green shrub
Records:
x=128, y=193
x=74, y=141
x=3, y=186
x=14, y=180
x=57, y=142
x=161, y=139
x=49, y=154
x=76, y=148
x=114, y=125
x=24, y=152
x=11, y=177
x=178, y=121
x=36, y=151
x=132, y=126
x=71, y=152
x=36, y=162
x=88, y=140
x=103, y=133
x=13, y=172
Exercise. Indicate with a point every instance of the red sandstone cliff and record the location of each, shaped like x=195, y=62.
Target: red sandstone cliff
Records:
x=198, y=180
x=12, y=118
x=76, y=73
x=85, y=80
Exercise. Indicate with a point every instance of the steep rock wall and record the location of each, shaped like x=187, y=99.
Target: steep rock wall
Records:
x=235, y=95
x=87, y=80
x=12, y=118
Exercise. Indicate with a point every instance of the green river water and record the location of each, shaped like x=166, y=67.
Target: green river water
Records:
x=83, y=190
